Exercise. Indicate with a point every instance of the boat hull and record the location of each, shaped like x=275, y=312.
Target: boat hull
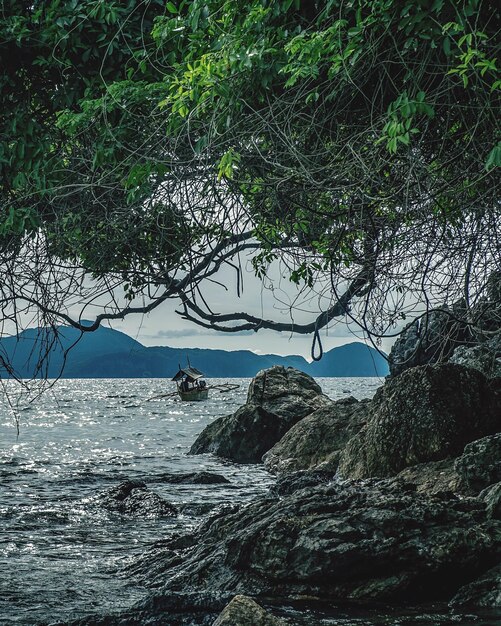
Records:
x=194, y=395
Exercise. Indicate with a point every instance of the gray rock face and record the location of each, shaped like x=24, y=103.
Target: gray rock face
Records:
x=492, y=498
x=304, y=479
x=432, y=478
x=193, y=478
x=317, y=440
x=340, y=542
x=428, y=340
x=277, y=399
x=480, y=464
x=243, y=611
x=485, y=592
x=484, y=357
x=465, y=336
x=287, y=393
x=426, y=414
x=132, y=497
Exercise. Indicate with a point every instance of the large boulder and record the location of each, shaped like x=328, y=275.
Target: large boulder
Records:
x=340, y=542
x=244, y=611
x=485, y=357
x=426, y=414
x=278, y=398
x=317, y=440
x=286, y=391
x=480, y=464
x=466, y=335
x=429, y=339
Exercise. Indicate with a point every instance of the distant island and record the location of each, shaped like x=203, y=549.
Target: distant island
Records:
x=108, y=353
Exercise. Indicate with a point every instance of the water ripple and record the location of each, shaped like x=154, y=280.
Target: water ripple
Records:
x=59, y=551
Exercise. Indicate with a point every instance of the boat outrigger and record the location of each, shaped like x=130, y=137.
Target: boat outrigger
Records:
x=190, y=384
x=192, y=387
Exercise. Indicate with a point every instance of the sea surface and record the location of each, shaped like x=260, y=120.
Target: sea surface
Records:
x=61, y=554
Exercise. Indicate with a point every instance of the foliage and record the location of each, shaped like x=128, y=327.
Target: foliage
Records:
x=355, y=141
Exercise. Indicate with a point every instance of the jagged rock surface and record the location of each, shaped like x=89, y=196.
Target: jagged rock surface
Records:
x=278, y=398
x=243, y=611
x=426, y=414
x=193, y=478
x=428, y=340
x=316, y=441
x=480, y=464
x=132, y=497
x=484, y=357
x=341, y=542
x=492, y=498
x=485, y=592
x=303, y=479
x=433, y=478
x=460, y=334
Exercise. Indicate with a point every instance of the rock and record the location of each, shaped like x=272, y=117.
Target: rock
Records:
x=180, y=609
x=492, y=498
x=426, y=414
x=485, y=592
x=277, y=399
x=429, y=339
x=194, y=478
x=317, y=440
x=289, y=483
x=132, y=497
x=466, y=335
x=243, y=611
x=480, y=464
x=341, y=542
x=276, y=388
x=484, y=357
x=432, y=478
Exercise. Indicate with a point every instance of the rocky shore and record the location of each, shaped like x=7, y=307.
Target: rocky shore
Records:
x=394, y=501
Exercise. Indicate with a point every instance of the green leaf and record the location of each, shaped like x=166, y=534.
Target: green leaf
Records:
x=494, y=157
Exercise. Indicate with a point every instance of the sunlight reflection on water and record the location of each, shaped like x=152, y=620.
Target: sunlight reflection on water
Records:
x=59, y=551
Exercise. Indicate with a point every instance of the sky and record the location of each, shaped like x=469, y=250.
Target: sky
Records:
x=164, y=327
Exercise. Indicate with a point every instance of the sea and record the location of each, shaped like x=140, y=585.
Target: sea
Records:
x=62, y=556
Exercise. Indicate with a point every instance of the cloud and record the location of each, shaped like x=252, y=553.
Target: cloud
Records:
x=193, y=332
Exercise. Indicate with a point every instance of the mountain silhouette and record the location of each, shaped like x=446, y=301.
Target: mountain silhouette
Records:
x=108, y=353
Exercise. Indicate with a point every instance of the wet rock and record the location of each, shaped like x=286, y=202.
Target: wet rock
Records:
x=196, y=509
x=480, y=464
x=243, y=611
x=426, y=414
x=278, y=398
x=492, y=498
x=195, y=478
x=317, y=440
x=132, y=497
x=340, y=542
x=485, y=592
x=179, y=609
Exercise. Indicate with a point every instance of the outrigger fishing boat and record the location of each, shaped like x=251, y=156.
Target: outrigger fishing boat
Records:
x=191, y=386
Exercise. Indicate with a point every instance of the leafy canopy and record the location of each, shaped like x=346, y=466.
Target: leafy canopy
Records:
x=356, y=142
